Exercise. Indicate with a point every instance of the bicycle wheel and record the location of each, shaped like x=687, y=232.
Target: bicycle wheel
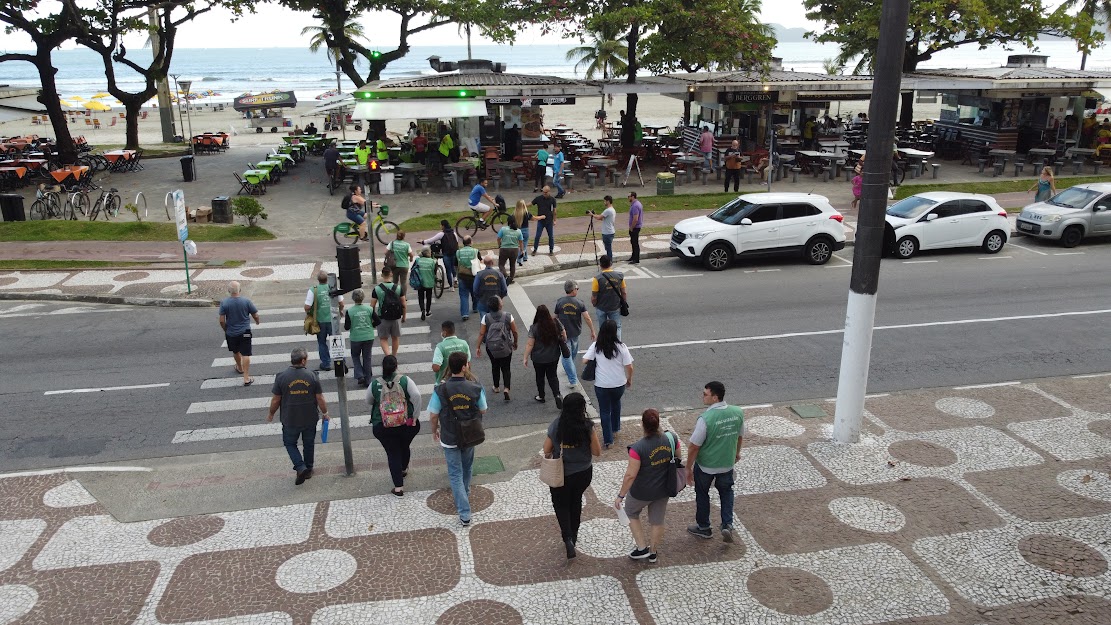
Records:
x=94, y=212
x=342, y=238
x=38, y=211
x=113, y=207
x=499, y=219
x=467, y=225
x=79, y=203
x=385, y=232
x=441, y=278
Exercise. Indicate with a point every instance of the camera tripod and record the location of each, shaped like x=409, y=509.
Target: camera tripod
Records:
x=590, y=235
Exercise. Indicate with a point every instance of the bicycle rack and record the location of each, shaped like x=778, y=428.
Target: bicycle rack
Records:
x=146, y=209
x=169, y=198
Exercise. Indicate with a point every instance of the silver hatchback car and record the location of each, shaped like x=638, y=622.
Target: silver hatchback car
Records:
x=1069, y=216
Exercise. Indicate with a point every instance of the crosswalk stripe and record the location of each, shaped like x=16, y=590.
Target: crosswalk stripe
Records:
x=267, y=380
x=249, y=403
x=410, y=302
x=264, y=429
x=297, y=323
x=309, y=338
x=271, y=358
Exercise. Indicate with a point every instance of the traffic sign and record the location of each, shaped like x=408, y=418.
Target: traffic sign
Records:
x=335, y=347
x=180, y=214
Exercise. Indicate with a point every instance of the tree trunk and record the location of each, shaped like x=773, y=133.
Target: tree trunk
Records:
x=686, y=111
x=63, y=141
x=629, y=121
x=910, y=63
x=132, y=106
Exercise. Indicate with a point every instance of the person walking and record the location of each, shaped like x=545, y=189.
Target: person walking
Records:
x=395, y=403
x=608, y=217
x=296, y=391
x=523, y=217
x=545, y=337
x=402, y=257
x=318, y=301
x=456, y=403
x=359, y=321
x=488, y=283
x=1046, y=185
x=541, y=169
x=557, y=170
x=425, y=266
x=706, y=147
x=715, y=446
x=236, y=313
x=446, y=347
x=510, y=246
x=732, y=156
x=571, y=312
x=388, y=301
x=478, y=193
x=645, y=485
x=636, y=222
x=498, y=332
x=607, y=291
x=468, y=302
x=545, y=219
x=448, y=244
x=613, y=374
x=573, y=437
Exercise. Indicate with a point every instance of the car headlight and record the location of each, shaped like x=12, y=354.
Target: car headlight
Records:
x=1053, y=219
x=698, y=235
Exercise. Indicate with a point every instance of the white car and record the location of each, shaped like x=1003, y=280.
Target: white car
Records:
x=1069, y=216
x=757, y=224
x=936, y=220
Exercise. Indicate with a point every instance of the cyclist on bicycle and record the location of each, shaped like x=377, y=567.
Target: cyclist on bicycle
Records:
x=445, y=244
x=478, y=193
x=355, y=205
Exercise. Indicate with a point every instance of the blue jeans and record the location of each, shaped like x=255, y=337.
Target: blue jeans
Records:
x=360, y=353
x=308, y=439
x=569, y=363
x=609, y=411
x=322, y=344
x=602, y=315
x=555, y=181
x=724, y=484
x=524, y=253
x=707, y=158
x=449, y=269
x=607, y=242
x=541, y=226
x=459, y=463
x=467, y=300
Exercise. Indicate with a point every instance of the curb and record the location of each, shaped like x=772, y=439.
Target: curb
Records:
x=112, y=299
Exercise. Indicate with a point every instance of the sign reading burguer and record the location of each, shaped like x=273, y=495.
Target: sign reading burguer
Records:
x=538, y=101
x=738, y=97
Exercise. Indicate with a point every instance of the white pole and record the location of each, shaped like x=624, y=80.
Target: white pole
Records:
x=856, y=354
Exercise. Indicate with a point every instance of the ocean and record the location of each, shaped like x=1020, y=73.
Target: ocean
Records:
x=230, y=72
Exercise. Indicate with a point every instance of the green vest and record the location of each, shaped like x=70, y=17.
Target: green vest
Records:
x=463, y=259
x=323, y=304
x=426, y=267
x=446, y=348
x=446, y=144
x=723, y=426
x=400, y=253
x=383, y=153
x=361, y=327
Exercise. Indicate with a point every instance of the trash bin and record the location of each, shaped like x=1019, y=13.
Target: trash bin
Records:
x=221, y=210
x=187, y=170
x=11, y=205
x=665, y=183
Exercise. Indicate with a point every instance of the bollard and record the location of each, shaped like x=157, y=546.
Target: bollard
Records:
x=795, y=174
x=936, y=167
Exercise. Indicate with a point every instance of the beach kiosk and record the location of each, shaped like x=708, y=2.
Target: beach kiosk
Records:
x=264, y=110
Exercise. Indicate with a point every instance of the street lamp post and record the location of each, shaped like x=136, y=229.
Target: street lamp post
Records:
x=177, y=90
x=185, y=84
x=339, y=92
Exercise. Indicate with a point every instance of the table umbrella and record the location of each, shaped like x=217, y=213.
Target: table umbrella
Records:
x=101, y=94
x=97, y=106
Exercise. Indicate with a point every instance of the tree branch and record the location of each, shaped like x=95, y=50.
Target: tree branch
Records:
x=17, y=57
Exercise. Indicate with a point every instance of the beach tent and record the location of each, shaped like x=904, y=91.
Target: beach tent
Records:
x=278, y=99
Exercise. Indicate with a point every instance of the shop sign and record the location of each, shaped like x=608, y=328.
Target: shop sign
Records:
x=740, y=97
x=549, y=101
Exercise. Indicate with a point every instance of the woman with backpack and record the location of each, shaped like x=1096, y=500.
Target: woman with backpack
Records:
x=498, y=331
x=395, y=404
x=573, y=437
x=545, y=338
x=449, y=245
x=424, y=268
x=613, y=374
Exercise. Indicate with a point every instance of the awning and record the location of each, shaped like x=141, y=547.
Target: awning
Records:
x=344, y=101
x=419, y=109
x=265, y=101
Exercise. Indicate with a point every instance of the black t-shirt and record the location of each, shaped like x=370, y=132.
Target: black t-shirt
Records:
x=545, y=207
x=331, y=155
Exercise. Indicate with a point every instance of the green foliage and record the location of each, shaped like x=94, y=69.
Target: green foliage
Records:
x=697, y=35
x=134, y=210
x=249, y=207
x=601, y=55
x=352, y=30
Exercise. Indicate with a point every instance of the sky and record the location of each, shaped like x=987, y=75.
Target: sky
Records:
x=275, y=26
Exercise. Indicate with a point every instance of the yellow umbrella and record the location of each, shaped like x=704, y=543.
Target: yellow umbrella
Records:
x=97, y=106
x=76, y=98
x=64, y=103
x=101, y=94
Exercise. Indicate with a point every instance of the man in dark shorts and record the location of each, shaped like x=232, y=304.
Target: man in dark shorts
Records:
x=236, y=313
x=297, y=392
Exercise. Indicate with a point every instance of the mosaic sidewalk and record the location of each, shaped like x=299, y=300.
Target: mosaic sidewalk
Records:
x=982, y=505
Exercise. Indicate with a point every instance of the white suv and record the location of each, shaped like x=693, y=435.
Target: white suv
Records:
x=757, y=224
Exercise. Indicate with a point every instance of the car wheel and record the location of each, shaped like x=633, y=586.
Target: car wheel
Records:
x=906, y=247
x=1071, y=236
x=994, y=241
x=717, y=257
x=818, y=250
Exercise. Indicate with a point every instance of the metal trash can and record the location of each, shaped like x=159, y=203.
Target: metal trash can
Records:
x=221, y=210
x=665, y=183
x=11, y=205
x=187, y=170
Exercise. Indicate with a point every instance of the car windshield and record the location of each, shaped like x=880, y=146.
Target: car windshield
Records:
x=1073, y=198
x=911, y=208
x=731, y=212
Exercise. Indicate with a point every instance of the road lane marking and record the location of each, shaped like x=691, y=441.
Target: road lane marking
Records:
x=200, y=435
x=902, y=326
x=237, y=380
x=754, y=406
x=297, y=338
x=971, y=386
x=297, y=323
x=917, y=262
x=249, y=403
x=681, y=275
x=1091, y=375
x=844, y=260
x=77, y=470
x=993, y=257
x=1023, y=247
x=272, y=358
x=106, y=388
x=1067, y=253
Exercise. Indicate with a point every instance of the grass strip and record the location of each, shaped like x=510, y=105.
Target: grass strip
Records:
x=991, y=187
x=67, y=264
x=57, y=230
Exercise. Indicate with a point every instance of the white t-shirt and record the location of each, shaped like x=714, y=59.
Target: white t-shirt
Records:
x=610, y=372
x=609, y=216
x=310, y=297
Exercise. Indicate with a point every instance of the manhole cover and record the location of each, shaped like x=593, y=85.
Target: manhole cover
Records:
x=808, y=411
x=487, y=464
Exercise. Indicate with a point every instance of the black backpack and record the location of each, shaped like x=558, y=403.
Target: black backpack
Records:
x=346, y=202
x=391, y=303
x=449, y=243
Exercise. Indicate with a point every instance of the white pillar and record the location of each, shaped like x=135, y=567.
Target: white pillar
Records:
x=860, y=317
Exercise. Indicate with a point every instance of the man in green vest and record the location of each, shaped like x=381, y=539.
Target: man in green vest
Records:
x=319, y=298
x=715, y=446
x=360, y=323
x=362, y=153
x=446, y=348
x=383, y=151
x=468, y=302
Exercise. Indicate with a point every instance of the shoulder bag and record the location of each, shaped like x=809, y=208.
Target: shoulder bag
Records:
x=312, y=326
x=390, y=260
x=590, y=370
x=617, y=289
x=551, y=466
x=676, y=479
x=564, y=346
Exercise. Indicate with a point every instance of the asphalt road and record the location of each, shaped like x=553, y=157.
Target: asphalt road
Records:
x=770, y=330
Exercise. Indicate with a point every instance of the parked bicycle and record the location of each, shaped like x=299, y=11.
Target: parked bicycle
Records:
x=347, y=232
x=107, y=205
x=471, y=224
x=47, y=204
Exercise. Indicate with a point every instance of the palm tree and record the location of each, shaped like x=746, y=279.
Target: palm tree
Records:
x=1097, y=10
x=352, y=29
x=601, y=54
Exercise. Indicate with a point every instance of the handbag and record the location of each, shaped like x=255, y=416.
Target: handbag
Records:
x=676, y=479
x=564, y=346
x=312, y=326
x=624, y=306
x=551, y=470
x=390, y=260
x=589, y=370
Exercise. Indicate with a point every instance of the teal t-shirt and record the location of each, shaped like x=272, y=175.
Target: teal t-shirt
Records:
x=323, y=304
x=542, y=156
x=361, y=327
x=509, y=238
x=426, y=268
x=400, y=253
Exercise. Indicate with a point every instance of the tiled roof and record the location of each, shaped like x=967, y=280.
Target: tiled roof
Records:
x=1017, y=73
x=774, y=76
x=478, y=79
